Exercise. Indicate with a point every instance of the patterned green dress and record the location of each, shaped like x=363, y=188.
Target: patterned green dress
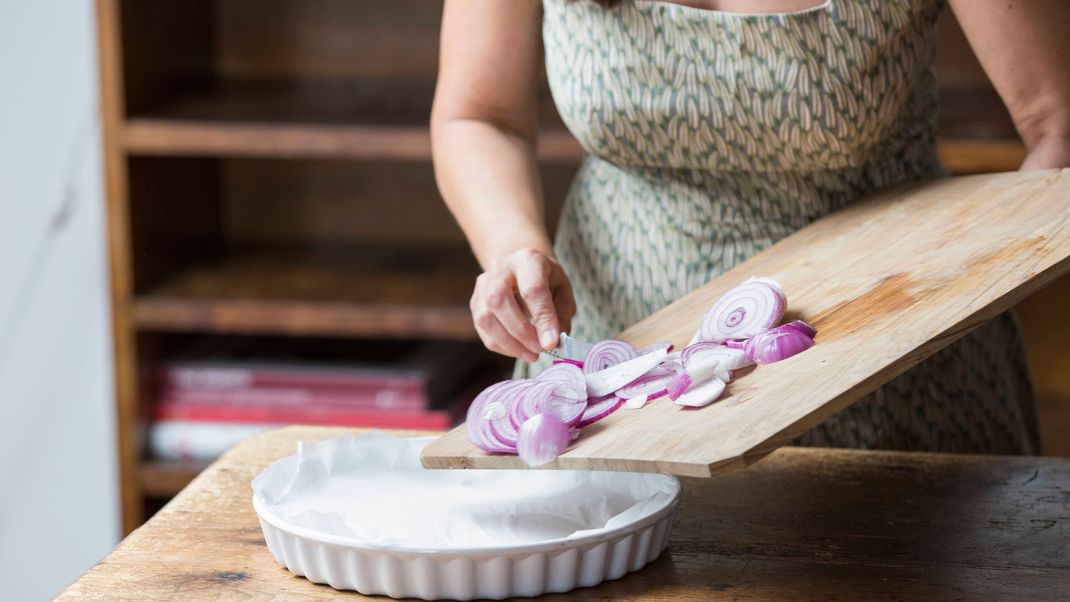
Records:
x=710, y=136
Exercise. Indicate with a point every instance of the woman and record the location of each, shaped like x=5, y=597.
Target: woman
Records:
x=711, y=134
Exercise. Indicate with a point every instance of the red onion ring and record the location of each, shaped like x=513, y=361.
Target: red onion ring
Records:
x=600, y=407
x=565, y=360
x=542, y=439
x=607, y=353
x=746, y=310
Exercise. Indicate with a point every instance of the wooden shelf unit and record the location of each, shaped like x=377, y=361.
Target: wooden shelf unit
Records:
x=268, y=174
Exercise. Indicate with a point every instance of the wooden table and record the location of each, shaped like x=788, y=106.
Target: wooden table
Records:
x=803, y=523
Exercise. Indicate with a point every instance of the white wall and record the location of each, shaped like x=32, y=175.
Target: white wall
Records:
x=58, y=491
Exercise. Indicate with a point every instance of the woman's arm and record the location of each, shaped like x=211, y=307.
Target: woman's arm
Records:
x=483, y=130
x=1024, y=47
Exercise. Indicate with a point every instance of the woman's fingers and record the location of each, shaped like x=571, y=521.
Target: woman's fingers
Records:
x=501, y=299
x=520, y=304
x=498, y=318
x=533, y=282
x=564, y=302
x=496, y=338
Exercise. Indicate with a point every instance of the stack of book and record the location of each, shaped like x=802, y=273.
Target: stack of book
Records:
x=205, y=406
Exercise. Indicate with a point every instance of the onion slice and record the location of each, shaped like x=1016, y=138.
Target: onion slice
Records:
x=607, y=353
x=599, y=408
x=728, y=358
x=652, y=384
x=748, y=309
x=542, y=439
x=778, y=344
x=703, y=394
x=636, y=402
x=613, y=378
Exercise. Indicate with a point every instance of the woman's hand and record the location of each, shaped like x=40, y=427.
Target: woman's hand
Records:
x=521, y=304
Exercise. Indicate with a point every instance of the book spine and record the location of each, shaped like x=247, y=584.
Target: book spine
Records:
x=185, y=440
x=231, y=378
x=426, y=419
x=385, y=399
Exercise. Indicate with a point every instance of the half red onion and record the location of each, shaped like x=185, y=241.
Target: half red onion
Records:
x=801, y=327
x=542, y=439
x=778, y=344
x=746, y=310
x=607, y=353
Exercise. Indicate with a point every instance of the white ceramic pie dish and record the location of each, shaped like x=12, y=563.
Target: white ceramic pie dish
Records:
x=471, y=572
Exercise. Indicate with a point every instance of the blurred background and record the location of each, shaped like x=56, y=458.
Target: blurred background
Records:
x=220, y=215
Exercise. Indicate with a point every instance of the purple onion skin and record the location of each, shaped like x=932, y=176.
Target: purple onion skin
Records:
x=779, y=346
x=801, y=327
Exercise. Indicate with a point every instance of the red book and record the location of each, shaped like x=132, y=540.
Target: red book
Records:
x=320, y=415
x=367, y=398
x=223, y=377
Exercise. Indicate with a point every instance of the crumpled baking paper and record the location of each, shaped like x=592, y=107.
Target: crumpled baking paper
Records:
x=371, y=489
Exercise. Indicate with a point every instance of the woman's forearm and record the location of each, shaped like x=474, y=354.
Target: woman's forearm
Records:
x=1048, y=151
x=490, y=182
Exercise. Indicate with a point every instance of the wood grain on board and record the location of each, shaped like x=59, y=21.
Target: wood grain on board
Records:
x=886, y=281
x=838, y=524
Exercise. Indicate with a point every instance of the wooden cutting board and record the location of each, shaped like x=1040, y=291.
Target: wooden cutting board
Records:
x=887, y=282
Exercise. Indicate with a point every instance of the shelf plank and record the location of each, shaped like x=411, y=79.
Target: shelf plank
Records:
x=168, y=137
x=165, y=478
x=335, y=120
x=366, y=292
x=964, y=156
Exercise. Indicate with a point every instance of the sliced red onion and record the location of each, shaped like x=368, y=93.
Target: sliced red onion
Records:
x=653, y=383
x=490, y=414
x=607, y=353
x=482, y=435
x=778, y=344
x=728, y=358
x=549, y=397
x=542, y=439
x=697, y=372
x=678, y=385
x=735, y=344
x=565, y=360
x=567, y=374
x=773, y=284
x=703, y=394
x=746, y=310
x=599, y=408
x=801, y=327
x=636, y=402
x=613, y=378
